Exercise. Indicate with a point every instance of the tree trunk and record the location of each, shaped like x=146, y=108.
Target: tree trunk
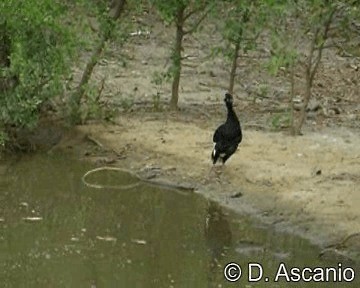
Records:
x=291, y=103
x=4, y=46
x=116, y=8
x=308, y=83
x=234, y=67
x=9, y=82
x=80, y=90
x=312, y=64
x=176, y=58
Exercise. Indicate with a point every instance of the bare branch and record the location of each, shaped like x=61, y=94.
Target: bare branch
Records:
x=330, y=45
x=198, y=22
x=192, y=12
x=311, y=55
x=322, y=45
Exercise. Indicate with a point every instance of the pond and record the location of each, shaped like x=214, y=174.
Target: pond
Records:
x=56, y=232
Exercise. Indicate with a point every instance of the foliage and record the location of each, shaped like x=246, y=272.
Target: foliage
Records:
x=280, y=120
x=39, y=50
x=187, y=15
x=92, y=108
x=158, y=79
x=317, y=23
x=127, y=103
x=244, y=21
x=169, y=9
x=302, y=22
x=284, y=40
x=37, y=44
x=107, y=17
x=262, y=90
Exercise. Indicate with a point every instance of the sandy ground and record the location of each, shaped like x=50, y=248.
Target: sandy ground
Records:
x=307, y=184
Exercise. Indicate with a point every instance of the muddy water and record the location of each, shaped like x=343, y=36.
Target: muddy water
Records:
x=55, y=232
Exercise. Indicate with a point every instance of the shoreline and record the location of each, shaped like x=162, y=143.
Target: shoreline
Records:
x=305, y=185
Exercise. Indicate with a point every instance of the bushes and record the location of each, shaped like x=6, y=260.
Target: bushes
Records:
x=35, y=50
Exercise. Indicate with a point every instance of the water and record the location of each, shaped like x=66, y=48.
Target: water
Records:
x=55, y=232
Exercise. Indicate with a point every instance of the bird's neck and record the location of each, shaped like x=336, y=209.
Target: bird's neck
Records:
x=231, y=113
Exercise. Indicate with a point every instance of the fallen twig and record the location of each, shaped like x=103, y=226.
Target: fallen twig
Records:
x=95, y=141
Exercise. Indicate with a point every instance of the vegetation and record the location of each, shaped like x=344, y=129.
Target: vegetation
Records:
x=35, y=50
x=244, y=21
x=107, y=21
x=320, y=24
x=187, y=15
x=39, y=42
x=158, y=79
x=326, y=23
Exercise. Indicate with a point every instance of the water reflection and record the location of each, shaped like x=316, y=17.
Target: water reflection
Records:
x=143, y=237
x=218, y=239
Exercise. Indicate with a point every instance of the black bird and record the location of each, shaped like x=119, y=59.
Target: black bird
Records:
x=227, y=136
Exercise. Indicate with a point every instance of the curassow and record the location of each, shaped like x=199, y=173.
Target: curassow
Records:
x=227, y=136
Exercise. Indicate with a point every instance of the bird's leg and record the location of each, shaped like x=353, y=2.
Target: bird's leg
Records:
x=212, y=169
x=218, y=172
x=207, y=178
x=224, y=176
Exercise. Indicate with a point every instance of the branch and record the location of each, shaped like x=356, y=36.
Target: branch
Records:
x=100, y=90
x=355, y=27
x=188, y=15
x=322, y=45
x=330, y=45
x=253, y=38
x=311, y=54
x=196, y=25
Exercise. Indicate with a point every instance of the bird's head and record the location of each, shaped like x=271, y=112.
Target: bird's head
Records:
x=228, y=99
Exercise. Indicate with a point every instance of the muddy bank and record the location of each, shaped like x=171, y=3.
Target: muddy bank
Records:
x=306, y=185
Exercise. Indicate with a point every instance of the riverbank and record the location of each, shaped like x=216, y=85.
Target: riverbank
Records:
x=306, y=185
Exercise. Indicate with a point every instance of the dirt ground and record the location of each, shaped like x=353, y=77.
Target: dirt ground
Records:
x=306, y=184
